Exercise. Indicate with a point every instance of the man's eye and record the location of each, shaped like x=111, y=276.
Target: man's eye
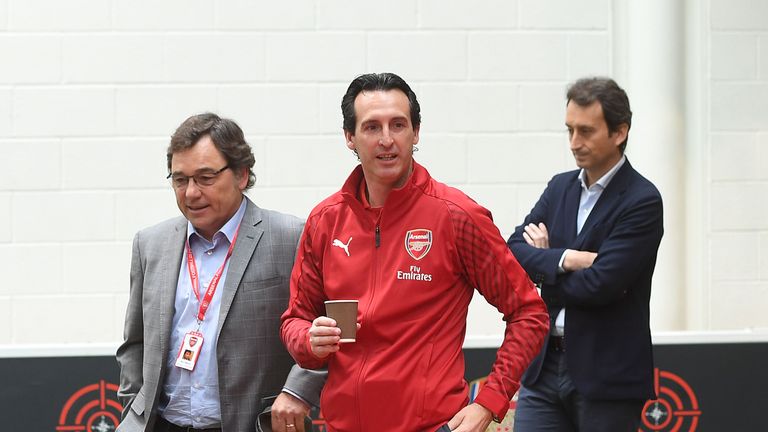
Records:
x=205, y=179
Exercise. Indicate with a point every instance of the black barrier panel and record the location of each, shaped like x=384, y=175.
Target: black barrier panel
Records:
x=37, y=391
x=702, y=387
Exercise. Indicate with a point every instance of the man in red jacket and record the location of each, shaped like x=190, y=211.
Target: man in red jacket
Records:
x=412, y=251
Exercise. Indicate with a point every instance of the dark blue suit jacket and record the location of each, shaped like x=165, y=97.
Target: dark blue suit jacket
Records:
x=607, y=330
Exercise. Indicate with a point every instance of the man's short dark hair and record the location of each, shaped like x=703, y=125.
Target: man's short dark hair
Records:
x=377, y=82
x=612, y=98
x=226, y=136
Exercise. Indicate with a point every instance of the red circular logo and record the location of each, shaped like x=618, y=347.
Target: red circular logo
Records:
x=675, y=410
x=93, y=408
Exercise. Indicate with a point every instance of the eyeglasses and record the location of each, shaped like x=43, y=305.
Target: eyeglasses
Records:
x=202, y=179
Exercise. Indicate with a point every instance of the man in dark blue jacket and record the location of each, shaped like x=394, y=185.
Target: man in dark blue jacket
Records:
x=590, y=243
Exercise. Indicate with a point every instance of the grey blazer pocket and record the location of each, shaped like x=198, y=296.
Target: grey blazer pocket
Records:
x=138, y=404
x=264, y=284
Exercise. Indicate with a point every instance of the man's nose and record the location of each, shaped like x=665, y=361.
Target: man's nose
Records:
x=386, y=137
x=192, y=189
x=575, y=141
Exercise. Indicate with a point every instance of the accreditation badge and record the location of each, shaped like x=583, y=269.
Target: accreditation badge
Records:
x=189, y=350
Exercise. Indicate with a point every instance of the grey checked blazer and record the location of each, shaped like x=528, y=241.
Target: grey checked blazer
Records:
x=253, y=364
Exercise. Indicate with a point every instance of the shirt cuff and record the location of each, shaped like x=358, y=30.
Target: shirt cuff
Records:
x=296, y=395
x=560, y=268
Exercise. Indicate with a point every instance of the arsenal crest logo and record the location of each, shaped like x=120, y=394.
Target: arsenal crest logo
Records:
x=418, y=242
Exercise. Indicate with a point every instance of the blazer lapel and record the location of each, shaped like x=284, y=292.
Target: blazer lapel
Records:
x=608, y=200
x=174, y=249
x=247, y=239
x=571, y=208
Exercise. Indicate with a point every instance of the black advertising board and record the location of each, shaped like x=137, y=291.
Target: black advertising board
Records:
x=701, y=387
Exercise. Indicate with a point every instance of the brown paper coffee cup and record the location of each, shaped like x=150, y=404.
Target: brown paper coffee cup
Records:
x=345, y=314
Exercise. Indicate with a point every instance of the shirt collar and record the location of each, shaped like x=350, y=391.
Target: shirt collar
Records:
x=605, y=179
x=228, y=230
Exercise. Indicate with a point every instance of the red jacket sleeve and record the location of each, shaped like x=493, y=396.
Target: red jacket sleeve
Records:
x=492, y=269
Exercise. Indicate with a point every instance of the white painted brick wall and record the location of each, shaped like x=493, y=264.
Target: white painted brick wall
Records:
x=518, y=56
x=237, y=57
x=555, y=14
x=739, y=206
x=353, y=14
x=314, y=56
x=32, y=269
x=254, y=15
x=589, y=54
x=734, y=256
x=163, y=16
x=294, y=161
x=460, y=14
x=158, y=110
x=5, y=218
x=763, y=57
x=444, y=156
x=139, y=209
x=65, y=319
x=738, y=155
x=80, y=276
x=282, y=108
x=738, y=305
x=21, y=159
x=30, y=59
x=90, y=92
x=739, y=106
x=6, y=98
x=53, y=15
x=542, y=107
x=63, y=216
x=109, y=58
x=763, y=257
x=6, y=323
x=727, y=159
x=467, y=107
x=419, y=56
x=762, y=155
x=513, y=159
x=63, y=111
x=3, y=14
x=739, y=14
x=124, y=163
x=734, y=56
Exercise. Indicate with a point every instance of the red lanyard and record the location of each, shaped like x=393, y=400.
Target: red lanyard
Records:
x=214, y=281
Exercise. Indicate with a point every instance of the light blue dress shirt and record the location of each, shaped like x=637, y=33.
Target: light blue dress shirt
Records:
x=587, y=201
x=191, y=398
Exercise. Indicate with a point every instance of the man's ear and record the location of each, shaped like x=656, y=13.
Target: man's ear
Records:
x=348, y=136
x=620, y=134
x=242, y=178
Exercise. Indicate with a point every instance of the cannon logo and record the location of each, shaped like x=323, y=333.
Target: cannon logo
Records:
x=93, y=408
x=676, y=408
x=418, y=242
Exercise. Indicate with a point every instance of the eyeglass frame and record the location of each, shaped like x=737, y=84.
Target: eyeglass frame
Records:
x=196, y=177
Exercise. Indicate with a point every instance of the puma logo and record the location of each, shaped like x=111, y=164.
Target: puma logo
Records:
x=338, y=243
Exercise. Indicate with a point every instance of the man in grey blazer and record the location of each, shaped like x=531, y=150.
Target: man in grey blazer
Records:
x=213, y=282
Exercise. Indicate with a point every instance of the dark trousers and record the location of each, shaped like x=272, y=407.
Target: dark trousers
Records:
x=552, y=404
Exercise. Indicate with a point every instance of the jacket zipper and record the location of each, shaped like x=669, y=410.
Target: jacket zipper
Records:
x=374, y=274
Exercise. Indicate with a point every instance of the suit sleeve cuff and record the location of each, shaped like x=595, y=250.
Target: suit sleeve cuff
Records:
x=497, y=404
x=306, y=384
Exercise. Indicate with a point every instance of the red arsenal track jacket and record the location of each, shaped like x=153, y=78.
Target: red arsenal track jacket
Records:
x=413, y=265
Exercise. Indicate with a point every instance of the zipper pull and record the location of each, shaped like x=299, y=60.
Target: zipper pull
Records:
x=378, y=236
